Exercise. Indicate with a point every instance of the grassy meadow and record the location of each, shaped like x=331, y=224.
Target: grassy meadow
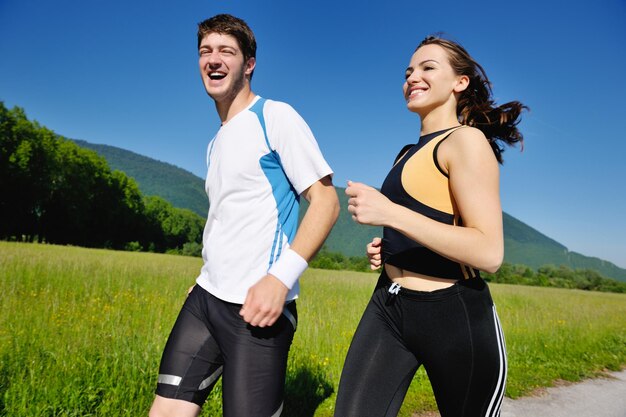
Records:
x=82, y=330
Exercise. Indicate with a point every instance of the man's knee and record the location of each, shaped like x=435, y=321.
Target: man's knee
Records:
x=168, y=407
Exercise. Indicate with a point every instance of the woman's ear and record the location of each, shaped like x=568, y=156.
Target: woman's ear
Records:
x=461, y=83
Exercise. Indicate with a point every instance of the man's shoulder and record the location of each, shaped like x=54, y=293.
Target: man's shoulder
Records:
x=278, y=106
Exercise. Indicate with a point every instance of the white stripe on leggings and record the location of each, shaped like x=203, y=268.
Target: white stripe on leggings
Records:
x=291, y=318
x=279, y=411
x=496, y=401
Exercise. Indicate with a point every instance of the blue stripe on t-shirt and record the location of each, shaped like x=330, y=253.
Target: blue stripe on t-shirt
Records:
x=286, y=197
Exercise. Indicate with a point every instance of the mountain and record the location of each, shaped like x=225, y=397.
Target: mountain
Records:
x=523, y=244
x=181, y=188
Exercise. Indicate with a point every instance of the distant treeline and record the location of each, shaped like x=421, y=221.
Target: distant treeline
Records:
x=326, y=259
x=556, y=276
x=545, y=276
x=53, y=191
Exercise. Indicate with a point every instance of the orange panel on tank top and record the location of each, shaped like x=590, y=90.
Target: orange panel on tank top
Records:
x=424, y=182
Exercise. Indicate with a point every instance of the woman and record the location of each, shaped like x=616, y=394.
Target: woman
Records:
x=442, y=222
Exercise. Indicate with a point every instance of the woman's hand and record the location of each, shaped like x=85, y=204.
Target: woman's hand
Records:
x=373, y=251
x=367, y=205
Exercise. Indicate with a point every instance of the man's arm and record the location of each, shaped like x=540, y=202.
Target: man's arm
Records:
x=265, y=300
x=318, y=220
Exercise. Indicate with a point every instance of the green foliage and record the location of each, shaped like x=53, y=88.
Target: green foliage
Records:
x=552, y=276
x=82, y=332
x=52, y=190
x=338, y=261
x=133, y=247
x=191, y=249
x=174, y=227
x=55, y=191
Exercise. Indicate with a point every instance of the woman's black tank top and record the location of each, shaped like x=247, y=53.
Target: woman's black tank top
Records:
x=418, y=183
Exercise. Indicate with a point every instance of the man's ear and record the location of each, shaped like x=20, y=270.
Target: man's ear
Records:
x=250, y=66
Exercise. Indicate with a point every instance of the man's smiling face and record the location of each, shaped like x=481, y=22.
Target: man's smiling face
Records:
x=222, y=66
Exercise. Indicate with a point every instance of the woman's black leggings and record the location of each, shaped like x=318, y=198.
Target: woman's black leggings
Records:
x=454, y=332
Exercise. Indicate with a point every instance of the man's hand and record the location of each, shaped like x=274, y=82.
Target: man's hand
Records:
x=264, y=302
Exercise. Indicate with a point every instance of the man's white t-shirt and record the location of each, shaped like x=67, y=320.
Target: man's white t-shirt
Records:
x=259, y=162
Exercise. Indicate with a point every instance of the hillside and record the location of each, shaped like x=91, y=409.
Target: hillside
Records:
x=181, y=188
x=523, y=244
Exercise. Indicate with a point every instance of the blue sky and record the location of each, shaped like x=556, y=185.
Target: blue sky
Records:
x=124, y=73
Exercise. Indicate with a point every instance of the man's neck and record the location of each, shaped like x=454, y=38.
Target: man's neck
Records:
x=229, y=108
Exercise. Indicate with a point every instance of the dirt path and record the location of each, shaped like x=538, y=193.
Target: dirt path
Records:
x=600, y=397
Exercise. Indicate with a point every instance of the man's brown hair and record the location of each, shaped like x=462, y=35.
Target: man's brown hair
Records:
x=226, y=24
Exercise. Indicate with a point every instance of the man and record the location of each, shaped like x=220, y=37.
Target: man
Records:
x=239, y=320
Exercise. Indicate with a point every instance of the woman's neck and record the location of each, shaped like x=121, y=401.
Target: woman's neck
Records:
x=430, y=126
x=440, y=118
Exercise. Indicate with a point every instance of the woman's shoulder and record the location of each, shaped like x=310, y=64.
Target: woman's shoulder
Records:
x=467, y=133
x=466, y=142
x=467, y=137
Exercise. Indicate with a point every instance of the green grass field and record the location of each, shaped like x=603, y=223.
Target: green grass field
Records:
x=81, y=333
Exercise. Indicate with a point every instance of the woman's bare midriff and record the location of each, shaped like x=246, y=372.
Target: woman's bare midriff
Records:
x=415, y=281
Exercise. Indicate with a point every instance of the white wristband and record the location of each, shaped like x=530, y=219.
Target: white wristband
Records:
x=288, y=267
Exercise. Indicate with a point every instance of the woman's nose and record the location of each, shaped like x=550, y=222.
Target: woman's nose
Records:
x=413, y=78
